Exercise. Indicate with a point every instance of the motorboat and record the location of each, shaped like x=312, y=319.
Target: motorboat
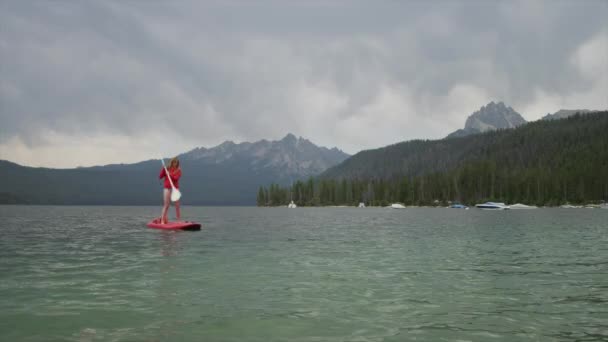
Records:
x=292, y=205
x=397, y=206
x=492, y=206
x=458, y=206
x=361, y=205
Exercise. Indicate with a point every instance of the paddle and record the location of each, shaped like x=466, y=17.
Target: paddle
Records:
x=175, y=194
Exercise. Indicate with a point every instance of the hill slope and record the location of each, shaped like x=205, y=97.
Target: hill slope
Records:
x=543, y=162
x=550, y=143
x=564, y=113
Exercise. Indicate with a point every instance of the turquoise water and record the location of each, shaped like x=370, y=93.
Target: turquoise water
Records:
x=309, y=274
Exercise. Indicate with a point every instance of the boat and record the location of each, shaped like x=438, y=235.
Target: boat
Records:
x=458, y=206
x=522, y=206
x=569, y=206
x=292, y=205
x=492, y=206
x=361, y=205
x=397, y=206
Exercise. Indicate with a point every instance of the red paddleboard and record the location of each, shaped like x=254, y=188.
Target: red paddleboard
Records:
x=175, y=225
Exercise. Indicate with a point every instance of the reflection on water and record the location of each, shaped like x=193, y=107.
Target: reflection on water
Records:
x=168, y=243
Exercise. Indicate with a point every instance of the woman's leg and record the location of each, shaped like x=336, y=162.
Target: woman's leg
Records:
x=177, y=211
x=166, y=203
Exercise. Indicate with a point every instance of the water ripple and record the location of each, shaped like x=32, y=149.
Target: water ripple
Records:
x=340, y=274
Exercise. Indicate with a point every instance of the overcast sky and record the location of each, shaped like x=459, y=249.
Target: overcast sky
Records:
x=97, y=82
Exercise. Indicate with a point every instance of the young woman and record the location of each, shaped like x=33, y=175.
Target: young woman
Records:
x=175, y=173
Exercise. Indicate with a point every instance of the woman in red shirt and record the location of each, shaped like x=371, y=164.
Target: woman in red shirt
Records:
x=175, y=172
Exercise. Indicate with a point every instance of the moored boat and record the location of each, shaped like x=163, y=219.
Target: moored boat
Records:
x=492, y=206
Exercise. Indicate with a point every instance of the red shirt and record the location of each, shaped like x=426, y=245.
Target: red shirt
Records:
x=175, y=175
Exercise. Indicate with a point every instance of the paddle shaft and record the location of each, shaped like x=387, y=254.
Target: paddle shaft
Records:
x=167, y=174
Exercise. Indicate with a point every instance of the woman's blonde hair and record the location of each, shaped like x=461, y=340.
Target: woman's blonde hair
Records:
x=174, y=163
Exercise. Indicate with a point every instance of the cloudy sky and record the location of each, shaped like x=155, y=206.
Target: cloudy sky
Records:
x=97, y=82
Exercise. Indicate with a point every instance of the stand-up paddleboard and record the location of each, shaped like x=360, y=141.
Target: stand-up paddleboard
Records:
x=175, y=225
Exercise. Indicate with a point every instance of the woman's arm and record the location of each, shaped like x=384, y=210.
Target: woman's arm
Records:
x=162, y=173
x=176, y=174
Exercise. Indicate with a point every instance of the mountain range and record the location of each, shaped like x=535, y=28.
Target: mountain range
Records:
x=231, y=173
x=228, y=174
x=289, y=158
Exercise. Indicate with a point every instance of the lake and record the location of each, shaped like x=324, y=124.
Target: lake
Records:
x=305, y=274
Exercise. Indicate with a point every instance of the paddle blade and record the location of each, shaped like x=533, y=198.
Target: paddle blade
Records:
x=175, y=195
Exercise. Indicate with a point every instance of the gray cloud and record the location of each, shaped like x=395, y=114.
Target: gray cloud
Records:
x=123, y=81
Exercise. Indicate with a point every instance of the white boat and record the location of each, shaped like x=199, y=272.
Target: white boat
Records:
x=397, y=206
x=569, y=206
x=292, y=205
x=522, y=206
x=361, y=205
x=492, y=206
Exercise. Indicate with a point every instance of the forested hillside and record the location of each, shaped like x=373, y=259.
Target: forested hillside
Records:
x=544, y=162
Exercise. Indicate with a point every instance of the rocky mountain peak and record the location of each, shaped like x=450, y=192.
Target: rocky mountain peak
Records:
x=493, y=116
x=290, y=138
x=226, y=144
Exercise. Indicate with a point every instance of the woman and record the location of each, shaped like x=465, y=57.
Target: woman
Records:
x=175, y=173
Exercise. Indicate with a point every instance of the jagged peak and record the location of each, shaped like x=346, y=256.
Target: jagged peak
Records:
x=499, y=105
x=197, y=149
x=494, y=106
x=337, y=150
x=494, y=115
x=290, y=136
